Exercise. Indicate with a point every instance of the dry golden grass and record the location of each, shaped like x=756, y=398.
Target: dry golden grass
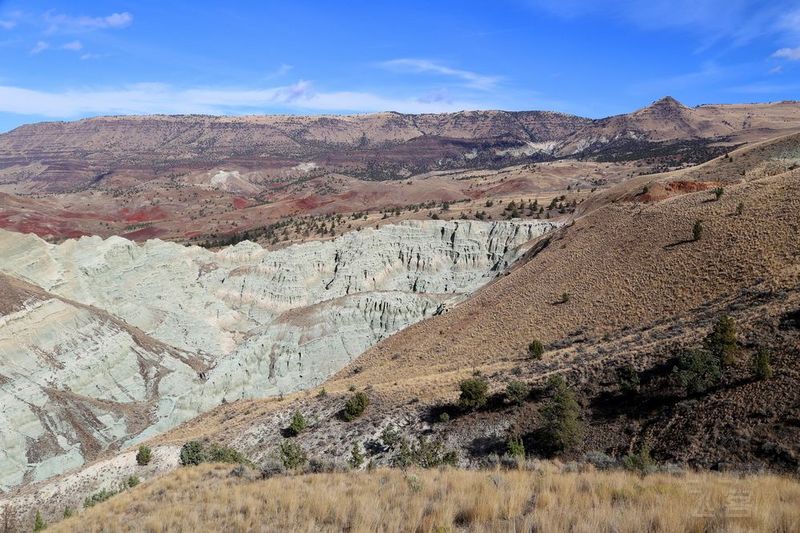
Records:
x=209, y=498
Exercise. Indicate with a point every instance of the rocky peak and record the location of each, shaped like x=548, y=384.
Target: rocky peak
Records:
x=667, y=102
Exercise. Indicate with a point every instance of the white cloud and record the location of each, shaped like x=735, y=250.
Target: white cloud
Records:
x=40, y=47
x=7, y=24
x=66, y=23
x=150, y=98
x=792, y=54
x=73, y=45
x=422, y=66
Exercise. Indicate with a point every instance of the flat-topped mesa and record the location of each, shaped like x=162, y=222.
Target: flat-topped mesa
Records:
x=140, y=338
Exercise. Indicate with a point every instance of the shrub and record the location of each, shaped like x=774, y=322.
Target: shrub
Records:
x=718, y=192
x=390, y=437
x=292, y=455
x=515, y=447
x=697, y=371
x=192, y=453
x=517, y=392
x=431, y=453
x=298, y=423
x=565, y=298
x=721, y=341
x=144, y=455
x=239, y=471
x=600, y=460
x=404, y=457
x=38, y=522
x=195, y=453
x=98, y=497
x=355, y=406
x=356, y=456
x=740, y=208
x=563, y=428
x=272, y=468
x=68, y=512
x=697, y=230
x=536, y=349
x=762, y=369
x=425, y=454
x=224, y=454
x=640, y=462
x=320, y=466
x=628, y=379
x=450, y=458
x=473, y=393
x=132, y=481
x=444, y=417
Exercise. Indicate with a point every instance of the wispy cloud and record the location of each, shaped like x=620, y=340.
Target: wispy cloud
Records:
x=40, y=47
x=426, y=66
x=10, y=20
x=792, y=54
x=789, y=21
x=281, y=71
x=149, y=98
x=73, y=45
x=765, y=88
x=56, y=22
x=734, y=22
x=709, y=74
x=90, y=55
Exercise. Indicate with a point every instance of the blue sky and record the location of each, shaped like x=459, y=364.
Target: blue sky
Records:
x=65, y=60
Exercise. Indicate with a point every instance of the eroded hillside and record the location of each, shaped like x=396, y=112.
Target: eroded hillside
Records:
x=210, y=327
x=281, y=179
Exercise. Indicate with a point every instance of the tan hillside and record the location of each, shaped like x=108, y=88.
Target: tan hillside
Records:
x=625, y=264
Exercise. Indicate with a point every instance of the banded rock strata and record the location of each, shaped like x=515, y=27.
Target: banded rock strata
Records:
x=104, y=343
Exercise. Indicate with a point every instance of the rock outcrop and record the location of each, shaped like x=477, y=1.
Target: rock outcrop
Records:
x=106, y=342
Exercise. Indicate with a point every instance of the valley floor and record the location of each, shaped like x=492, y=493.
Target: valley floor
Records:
x=541, y=497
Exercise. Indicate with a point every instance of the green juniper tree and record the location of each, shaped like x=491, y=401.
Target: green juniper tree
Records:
x=563, y=428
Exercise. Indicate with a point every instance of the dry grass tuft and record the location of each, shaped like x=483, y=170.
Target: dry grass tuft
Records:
x=208, y=498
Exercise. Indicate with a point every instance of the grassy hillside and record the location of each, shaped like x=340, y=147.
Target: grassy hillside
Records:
x=544, y=498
